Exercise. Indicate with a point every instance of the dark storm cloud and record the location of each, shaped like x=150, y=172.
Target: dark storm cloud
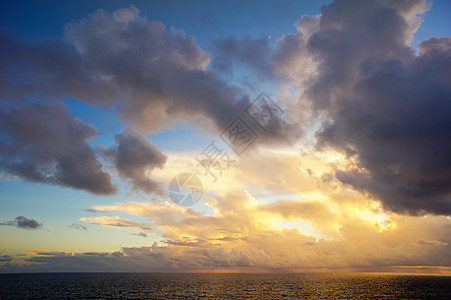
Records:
x=435, y=46
x=154, y=76
x=388, y=108
x=398, y=121
x=119, y=57
x=23, y=222
x=42, y=143
x=50, y=69
x=135, y=157
x=291, y=58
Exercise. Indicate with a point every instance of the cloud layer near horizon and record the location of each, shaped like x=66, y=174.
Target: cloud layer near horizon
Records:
x=241, y=236
x=329, y=227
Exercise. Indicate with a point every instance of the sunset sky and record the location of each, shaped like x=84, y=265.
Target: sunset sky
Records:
x=346, y=168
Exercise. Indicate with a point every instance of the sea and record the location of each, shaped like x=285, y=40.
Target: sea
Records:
x=223, y=286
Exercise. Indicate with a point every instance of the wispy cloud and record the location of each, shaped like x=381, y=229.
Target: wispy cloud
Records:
x=78, y=227
x=115, y=221
x=141, y=234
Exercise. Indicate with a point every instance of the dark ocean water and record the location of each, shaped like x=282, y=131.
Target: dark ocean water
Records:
x=223, y=286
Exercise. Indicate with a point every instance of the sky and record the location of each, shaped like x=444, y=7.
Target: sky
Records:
x=225, y=136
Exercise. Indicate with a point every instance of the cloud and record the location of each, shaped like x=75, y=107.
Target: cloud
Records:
x=115, y=221
x=78, y=227
x=385, y=107
x=244, y=232
x=52, y=253
x=94, y=210
x=95, y=254
x=434, y=46
x=6, y=258
x=173, y=259
x=23, y=222
x=240, y=236
x=154, y=77
x=135, y=157
x=159, y=76
x=141, y=234
x=44, y=144
x=423, y=242
x=245, y=62
x=381, y=114
x=26, y=223
x=328, y=227
x=291, y=59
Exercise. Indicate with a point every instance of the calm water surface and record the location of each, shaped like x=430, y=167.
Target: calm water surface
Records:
x=222, y=286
